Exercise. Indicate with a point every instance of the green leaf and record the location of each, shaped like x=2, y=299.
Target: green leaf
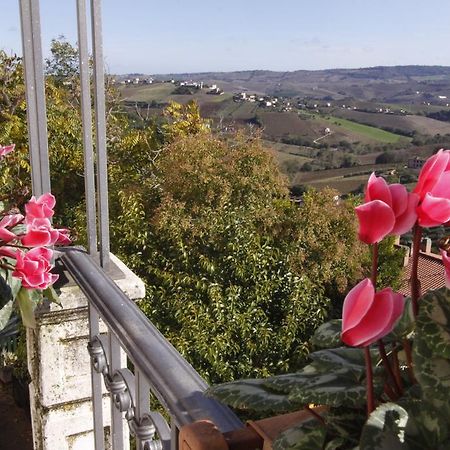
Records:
x=5, y=289
x=5, y=314
x=15, y=284
x=309, y=435
x=340, y=387
x=405, y=325
x=328, y=335
x=350, y=358
x=26, y=306
x=252, y=394
x=431, y=350
x=335, y=444
x=385, y=429
x=433, y=321
x=51, y=295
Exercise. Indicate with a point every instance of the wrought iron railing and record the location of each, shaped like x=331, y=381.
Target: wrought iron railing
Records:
x=158, y=367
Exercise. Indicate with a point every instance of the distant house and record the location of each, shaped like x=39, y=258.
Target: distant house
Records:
x=215, y=91
x=416, y=163
x=327, y=130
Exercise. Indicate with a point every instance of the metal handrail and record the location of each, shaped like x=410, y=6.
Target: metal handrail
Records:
x=173, y=381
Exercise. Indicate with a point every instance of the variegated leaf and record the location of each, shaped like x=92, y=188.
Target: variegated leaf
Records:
x=328, y=335
x=254, y=395
x=339, y=387
x=385, y=429
x=431, y=350
x=309, y=435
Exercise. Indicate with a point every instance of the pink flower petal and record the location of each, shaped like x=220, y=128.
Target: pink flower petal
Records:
x=356, y=304
x=372, y=324
x=6, y=235
x=442, y=186
x=11, y=220
x=431, y=172
x=9, y=252
x=6, y=149
x=378, y=189
x=433, y=211
x=405, y=222
x=376, y=220
x=47, y=199
x=37, y=238
x=399, y=196
x=398, y=303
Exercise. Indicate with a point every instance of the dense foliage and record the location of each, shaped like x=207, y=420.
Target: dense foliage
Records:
x=237, y=275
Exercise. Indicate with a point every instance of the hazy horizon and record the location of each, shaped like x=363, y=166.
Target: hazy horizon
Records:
x=282, y=71
x=161, y=38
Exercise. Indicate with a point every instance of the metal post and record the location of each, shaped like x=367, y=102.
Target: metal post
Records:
x=116, y=415
x=142, y=399
x=86, y=117
x=35, y=95
x=96, y=381
x=100, y=125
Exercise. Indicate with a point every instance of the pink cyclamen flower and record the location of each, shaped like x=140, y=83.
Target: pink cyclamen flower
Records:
x=33, y=268
x=40, y=208
x=9, y=221
x=40, y=233
x=368, y=316
x=433, y=189
x=4, y=150
x=388, y=210
x=63, y=236
x=446, y=262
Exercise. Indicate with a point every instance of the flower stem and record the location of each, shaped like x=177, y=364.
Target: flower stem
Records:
x=369, y=381
x=374, y=272
x=7, y=266
x=396, y=365
x=388, y=368
x=407, y=347
x=414, y=280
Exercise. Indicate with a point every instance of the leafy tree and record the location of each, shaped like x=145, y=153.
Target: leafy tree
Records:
x=63, y=63
x=237, y=275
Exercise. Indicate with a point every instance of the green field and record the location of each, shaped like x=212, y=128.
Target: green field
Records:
x=370, y=132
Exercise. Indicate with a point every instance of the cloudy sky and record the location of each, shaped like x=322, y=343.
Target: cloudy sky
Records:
x=195, y=35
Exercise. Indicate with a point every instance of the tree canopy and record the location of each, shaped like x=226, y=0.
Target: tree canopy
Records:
x=237, y=275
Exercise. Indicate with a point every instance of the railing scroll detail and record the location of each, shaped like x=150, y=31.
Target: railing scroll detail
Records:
x=121, y=386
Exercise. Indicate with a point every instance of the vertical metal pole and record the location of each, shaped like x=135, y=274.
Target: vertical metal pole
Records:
x=96, y=380
x=100, y=124
x=116, y=415
x=174, y=435
x=142, y=399
x=35, y=95
x=86, y=117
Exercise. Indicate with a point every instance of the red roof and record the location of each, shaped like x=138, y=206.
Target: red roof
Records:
x=430, y=271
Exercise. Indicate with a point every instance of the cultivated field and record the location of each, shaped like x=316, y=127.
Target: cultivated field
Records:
x=405, y=123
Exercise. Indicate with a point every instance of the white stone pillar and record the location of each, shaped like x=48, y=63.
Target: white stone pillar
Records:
x=60, y=369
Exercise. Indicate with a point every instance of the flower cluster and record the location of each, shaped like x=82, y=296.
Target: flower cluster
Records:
x=368, y=316
x=392, y=210
x=29, y=248
x=24, y=240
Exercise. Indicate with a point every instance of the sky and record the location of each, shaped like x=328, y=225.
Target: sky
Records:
x=174, y=36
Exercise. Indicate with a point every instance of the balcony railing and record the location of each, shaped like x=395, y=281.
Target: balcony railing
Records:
x=158, y=367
